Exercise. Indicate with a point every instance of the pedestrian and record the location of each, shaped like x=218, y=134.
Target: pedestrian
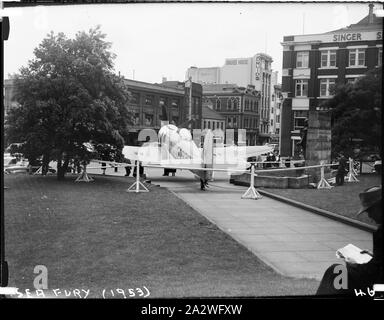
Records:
x=341, y=170
x=288, y=162
x=273, y=159
x=365, y=275
x=127, y=168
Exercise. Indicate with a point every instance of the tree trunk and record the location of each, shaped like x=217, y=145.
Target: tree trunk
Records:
x=45, y=164
x=60, y=173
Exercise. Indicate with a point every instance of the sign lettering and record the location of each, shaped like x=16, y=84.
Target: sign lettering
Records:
x=347, y=37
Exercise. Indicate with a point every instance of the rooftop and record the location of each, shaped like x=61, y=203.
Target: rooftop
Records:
x=208, y=113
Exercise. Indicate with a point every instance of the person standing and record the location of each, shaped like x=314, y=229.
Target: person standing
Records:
x=341, y=170
x=127, y=168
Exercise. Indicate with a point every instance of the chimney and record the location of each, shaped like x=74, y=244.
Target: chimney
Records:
x=370, y=15
x=164, y=79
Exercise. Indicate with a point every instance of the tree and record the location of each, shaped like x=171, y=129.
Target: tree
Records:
x=356, y=114
x=68, y=96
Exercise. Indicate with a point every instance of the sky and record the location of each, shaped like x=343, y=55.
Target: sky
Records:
x=156, y=40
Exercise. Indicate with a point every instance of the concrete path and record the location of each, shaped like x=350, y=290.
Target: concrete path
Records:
x=291, y=240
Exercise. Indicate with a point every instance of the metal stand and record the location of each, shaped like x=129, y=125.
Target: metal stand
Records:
x=323, y=183
x=351, y=177
x=252, y=193
x=135, y=187
x=83, y=177
x=39, y=171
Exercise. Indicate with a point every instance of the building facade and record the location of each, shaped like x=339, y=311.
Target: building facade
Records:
x=313, y=64
x=169, y=101
x=211, y=119
x=204, y=75
x=238, y=105
x=255, y=71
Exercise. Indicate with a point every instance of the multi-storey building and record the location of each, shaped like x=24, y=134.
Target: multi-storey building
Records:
x=238, y=105
x=170, y=101
x=255, y=71
x=204, y=75
x=313, y=64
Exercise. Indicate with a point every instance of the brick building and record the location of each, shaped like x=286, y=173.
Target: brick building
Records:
x=168, y=101
x=314, y=63
x=238, y=105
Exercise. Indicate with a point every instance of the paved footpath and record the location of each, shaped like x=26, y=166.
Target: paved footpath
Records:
x=291, y=240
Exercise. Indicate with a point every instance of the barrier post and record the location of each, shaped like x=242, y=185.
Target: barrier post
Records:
x=282, y=165
x=351, y=177
x=251, y=192
x=323, y=183
x=83, y=177
x=135, y=187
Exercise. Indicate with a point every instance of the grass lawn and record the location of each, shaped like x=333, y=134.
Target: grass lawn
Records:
x=97, y=236
x=343, y=200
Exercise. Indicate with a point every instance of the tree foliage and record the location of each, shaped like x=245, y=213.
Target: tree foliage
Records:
x=356, y=115
x=68, y=96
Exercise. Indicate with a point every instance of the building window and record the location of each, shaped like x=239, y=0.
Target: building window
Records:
x=299, y=119
x=135, y=98
x=301, y=88
x=302, y=59
x=136, y=119
x=205, y=124
x=218, y=105
x=246, y=105
x=326, y=86
x=277, y=131
x=148, y=119
x=235, y=104
x=222, y=125
x=328, y=58
x=149, y=100
x=380, y=57
x=356, y=57
x=229, y=104
x=271, y=122
x=351, y=80
x=277, y=118
x=209, y=124
x=175, y=103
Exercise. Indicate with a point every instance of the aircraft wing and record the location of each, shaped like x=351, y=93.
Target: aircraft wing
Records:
x=253, y=151
x=131, y=153
x=111, y=163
